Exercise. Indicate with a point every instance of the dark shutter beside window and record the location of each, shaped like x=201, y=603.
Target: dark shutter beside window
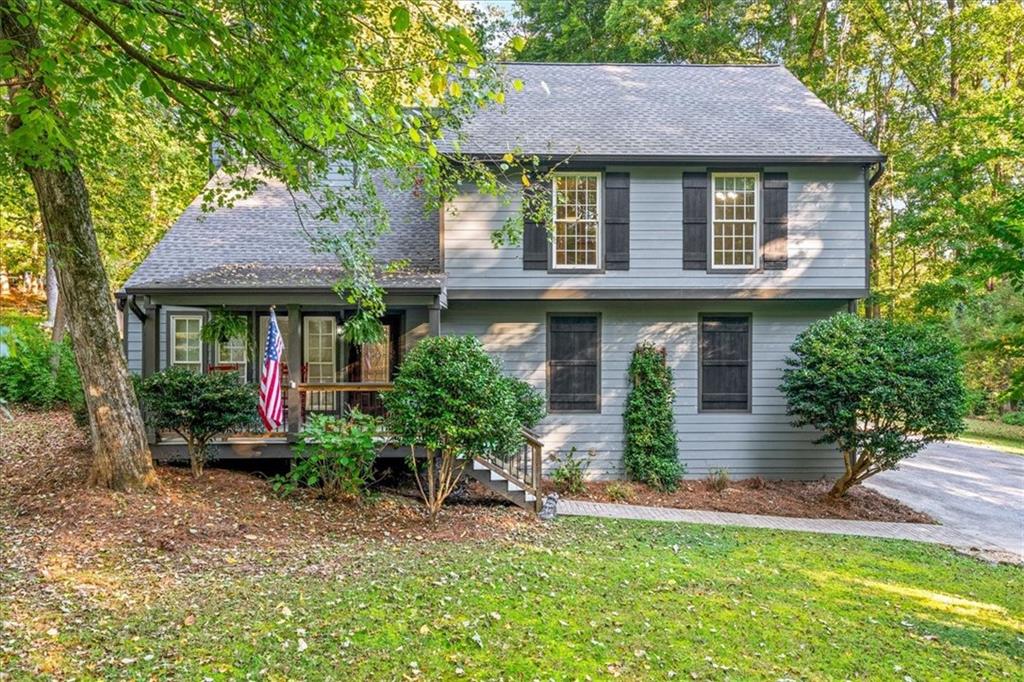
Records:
x=573, y=363
x=775, y=198
x=535, y=239
x=725, y=362
x=695, y=221
x=616, y=221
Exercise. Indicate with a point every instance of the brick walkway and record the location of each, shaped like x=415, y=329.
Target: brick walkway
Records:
x=921, y=532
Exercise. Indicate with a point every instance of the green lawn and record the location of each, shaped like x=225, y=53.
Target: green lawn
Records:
x=995, y=434
x=588, y=597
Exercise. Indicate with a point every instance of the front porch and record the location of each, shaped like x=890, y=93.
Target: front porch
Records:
x=322, y=373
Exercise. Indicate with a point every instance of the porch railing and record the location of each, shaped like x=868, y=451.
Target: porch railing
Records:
x=524, y=468
x=339, y=399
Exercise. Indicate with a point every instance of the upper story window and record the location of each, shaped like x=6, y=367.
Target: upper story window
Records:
x=187, y=342
x=576, y=207
x=735, y=231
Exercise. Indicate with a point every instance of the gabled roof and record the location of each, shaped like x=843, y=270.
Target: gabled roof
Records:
x=261, y=242
x=663, y=112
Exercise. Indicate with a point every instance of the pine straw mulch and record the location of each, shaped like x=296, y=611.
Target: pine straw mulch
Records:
x=802, y=499
x=50, y=521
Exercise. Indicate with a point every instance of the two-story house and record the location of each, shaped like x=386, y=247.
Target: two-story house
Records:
x=714, y=210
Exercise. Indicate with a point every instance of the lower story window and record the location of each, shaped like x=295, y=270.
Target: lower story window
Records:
x=574, y=363
x=725, y=363
x=187, y=342
x=233, y=354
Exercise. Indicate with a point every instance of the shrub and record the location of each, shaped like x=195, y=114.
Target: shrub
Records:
x=33, y=369
x=617, y=491
x=651, y=453
x=877, y=389
x=198, y=407
x=570, y=475
x=718, y=480
x=451, y=400
x=334, y=455
x=1014, y=418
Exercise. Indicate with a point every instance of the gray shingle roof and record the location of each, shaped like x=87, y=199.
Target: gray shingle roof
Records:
x=261, y=243
x=679, y=112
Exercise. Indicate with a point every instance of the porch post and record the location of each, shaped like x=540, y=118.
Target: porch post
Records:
x=293, y=349
x=434, y=317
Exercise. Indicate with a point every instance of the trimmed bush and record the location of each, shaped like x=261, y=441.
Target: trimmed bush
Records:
x=451, y=400
x=651, y=453
x=198, y=407
x=878, y=389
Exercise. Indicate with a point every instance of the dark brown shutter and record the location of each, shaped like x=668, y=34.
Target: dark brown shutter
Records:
x=616, y=221
x=573, y=363
x=725, y=362
x=695, y=221
x=775, y=198
x=535, y=238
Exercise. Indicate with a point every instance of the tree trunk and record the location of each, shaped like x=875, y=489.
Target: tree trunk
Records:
x=121, y=457
x=52, y=295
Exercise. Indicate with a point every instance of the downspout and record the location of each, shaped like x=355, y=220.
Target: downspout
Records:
x=875, y=177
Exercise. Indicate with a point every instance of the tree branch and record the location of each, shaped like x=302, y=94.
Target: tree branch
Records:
x=144, y=59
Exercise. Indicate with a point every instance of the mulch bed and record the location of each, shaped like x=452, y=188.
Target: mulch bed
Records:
x=758, y=496
x=46, y=510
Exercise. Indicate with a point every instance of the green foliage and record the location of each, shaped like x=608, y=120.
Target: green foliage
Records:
x=198, y=407
x=1013, y=418
x=36, y=371
x=877, y=389
x=333, y=455
x=570, y=475
x=224, y=325
x=651, y=453
x=450, y=395
x=451, y=399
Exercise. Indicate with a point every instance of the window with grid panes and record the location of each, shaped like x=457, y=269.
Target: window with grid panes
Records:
x=576, y=207
x=188, y=343
x=734, y=224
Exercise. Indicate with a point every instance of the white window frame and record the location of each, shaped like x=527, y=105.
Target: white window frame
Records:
x=173, y=346
x=756, y=262
x=243, y=367
x=599, y=262
x=320, y=400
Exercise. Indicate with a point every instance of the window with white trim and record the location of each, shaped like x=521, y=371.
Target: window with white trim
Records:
x=187, y=342
x=735, y=229
x=320, y=339
x=576, y=210
x=233, y=353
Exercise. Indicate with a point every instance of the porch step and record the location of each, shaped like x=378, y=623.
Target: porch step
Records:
x=497, y=482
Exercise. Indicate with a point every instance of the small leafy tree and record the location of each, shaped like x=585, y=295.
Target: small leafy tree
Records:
x=451, y=401
x=334, y=455
x=878, y=389
x=198, y=407
x=651, y=453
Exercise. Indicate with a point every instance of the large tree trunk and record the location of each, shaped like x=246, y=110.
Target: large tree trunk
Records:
x=121, y=457
x=121, y=460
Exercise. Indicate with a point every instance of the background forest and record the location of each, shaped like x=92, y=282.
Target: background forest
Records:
x=937, y=85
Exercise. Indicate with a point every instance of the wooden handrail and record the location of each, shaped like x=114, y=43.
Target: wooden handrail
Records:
x=347, y=387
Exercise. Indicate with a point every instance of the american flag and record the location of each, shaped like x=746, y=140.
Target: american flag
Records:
x=271, y=408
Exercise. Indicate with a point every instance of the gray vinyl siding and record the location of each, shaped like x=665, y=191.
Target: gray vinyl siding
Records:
x=826, y=238
x=133, y=338
x=761, y=442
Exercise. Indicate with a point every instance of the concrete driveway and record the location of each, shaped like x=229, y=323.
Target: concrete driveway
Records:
x=975, y=490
